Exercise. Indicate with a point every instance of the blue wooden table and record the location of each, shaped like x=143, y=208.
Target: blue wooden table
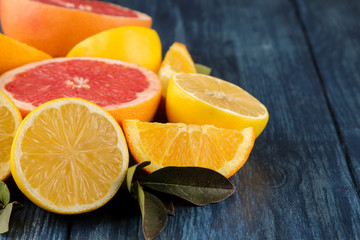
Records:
x=301, y=58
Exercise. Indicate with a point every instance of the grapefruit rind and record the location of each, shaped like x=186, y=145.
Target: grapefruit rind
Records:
x=30, y=192
x=60, y=28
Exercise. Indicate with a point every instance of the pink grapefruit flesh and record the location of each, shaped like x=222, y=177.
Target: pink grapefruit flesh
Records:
x=111, y=84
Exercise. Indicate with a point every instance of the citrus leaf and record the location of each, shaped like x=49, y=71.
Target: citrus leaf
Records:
x=5, y=218
x=169, y=205
x=131, y=171
x=154, y=213
x=197, y=185
x=202, y=69
x=4, y=193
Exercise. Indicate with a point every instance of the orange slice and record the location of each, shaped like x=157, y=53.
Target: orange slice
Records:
x=178, y=144
x=177, y=59
x=14, y=54
x=201, y=99
x=69, y=156
x=10, y=119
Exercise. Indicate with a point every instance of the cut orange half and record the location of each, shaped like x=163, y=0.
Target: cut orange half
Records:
x=69, y=156
x=200, y=99
x=10, y=119
x=178, y=144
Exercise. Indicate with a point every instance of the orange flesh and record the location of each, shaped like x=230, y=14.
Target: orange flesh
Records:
x=189, y=146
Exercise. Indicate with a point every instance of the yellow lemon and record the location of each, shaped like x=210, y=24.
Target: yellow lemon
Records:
x=10, y=119
x=201, y=99
x=139, y=45
x=69, y=156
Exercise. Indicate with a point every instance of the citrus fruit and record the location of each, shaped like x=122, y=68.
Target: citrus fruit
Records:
x=10, y=119
x=124, y=89
x=63, y=161
x=55, y=26
x=178, y=144
x=14, y=54
x=177, y=59
x=133, y=44
x=201, y=99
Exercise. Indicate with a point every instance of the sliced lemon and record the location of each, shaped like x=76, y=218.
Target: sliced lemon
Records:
x=201, y=99
x=69, y=156
x=10, y=119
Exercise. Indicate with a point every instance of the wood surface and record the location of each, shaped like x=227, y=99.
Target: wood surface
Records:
x=301, y=58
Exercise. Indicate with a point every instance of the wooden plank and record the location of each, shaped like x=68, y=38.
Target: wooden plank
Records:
x=296, y=182
x=31, y=222
x=333, y=32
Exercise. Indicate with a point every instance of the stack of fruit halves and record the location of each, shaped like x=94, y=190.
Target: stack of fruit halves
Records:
x=88, y=78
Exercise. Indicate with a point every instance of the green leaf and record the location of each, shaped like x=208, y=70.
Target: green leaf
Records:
x=197, y=185
x=5, y=218
x=131, y=171
x=202, y=69
x=4, y=193
x=154, y=214
x=168, y=204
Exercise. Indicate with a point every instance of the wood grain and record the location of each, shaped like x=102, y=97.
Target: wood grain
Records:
x=335, y=44
x=296, y=183
x=294, y=56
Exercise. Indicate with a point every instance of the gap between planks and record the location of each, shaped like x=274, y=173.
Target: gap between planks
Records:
x=339, y=134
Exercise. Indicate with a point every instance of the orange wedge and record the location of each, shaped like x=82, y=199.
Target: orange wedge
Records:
x=14, y=54
x=177, y=59
x=10, y=119
x=69, y=156
x=178, y=144
x=201, y=99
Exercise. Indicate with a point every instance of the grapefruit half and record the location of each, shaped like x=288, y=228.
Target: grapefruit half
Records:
x=125, y=90
x=55, y=26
